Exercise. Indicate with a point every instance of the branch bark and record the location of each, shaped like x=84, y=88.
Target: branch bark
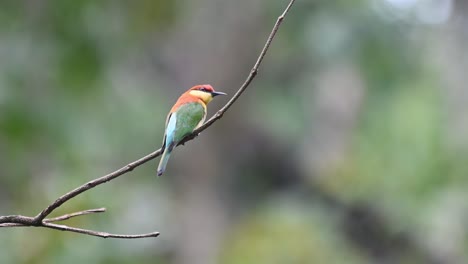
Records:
x=40, y=219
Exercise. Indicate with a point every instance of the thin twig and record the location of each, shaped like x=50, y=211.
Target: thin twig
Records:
x=91, y=184
x=68, y=216
x=41, y=220
x=252, y=74
x=97, y=233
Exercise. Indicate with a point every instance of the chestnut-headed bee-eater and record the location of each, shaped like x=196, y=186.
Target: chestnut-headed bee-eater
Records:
x=187, y=114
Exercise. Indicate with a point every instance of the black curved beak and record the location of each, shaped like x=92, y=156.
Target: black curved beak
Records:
x=217, y=93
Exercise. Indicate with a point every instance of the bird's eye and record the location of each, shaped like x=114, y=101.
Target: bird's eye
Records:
x=203, y=89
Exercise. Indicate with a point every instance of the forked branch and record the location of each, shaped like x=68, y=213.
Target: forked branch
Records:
x=40, y=219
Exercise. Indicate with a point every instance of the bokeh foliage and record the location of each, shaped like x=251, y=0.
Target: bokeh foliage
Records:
x=349, y=147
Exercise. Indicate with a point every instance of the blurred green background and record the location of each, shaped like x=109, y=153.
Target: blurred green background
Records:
x=350, y=146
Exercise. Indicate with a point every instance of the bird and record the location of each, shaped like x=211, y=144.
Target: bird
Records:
x=187, y=114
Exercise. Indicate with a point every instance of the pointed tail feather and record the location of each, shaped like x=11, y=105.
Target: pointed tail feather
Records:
x=163, y=162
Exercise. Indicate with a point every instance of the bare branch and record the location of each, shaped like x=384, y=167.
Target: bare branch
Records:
x=97, y=233
x=91, y=184
x=41, y=220
x=68, y=216
x=12, y=225
x=16, y=220
x=253, y=73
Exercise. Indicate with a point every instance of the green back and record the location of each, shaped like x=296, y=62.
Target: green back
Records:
x=188, y=117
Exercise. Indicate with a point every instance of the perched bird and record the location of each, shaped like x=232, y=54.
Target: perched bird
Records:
x=188, y=113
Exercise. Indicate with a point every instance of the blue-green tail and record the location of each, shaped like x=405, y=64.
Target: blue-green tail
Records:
x=163, y=162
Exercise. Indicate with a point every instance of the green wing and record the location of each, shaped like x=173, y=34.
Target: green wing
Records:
x=188, y=117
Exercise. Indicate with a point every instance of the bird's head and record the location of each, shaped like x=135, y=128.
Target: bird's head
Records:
x=204, y=92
